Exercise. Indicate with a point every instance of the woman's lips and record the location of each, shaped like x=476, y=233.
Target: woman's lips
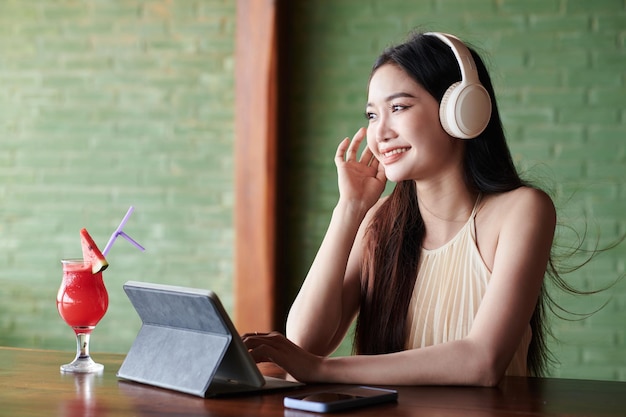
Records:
x=392, y=155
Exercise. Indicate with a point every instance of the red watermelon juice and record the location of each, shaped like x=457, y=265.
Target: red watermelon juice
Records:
x=82, y=299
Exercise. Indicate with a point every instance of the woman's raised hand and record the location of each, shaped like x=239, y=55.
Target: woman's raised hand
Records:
x=361, y=179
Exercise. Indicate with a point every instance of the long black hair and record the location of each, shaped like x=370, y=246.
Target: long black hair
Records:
x=396, y=232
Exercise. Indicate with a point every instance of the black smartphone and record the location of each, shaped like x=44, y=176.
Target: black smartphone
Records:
x=340, y=399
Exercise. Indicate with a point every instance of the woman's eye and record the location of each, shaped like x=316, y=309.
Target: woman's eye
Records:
x=397, y=107
x=370, y=116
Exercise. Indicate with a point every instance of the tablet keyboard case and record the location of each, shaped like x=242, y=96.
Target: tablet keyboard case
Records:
x=175, y=350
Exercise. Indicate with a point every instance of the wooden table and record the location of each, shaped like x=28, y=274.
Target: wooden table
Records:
x=31, y=385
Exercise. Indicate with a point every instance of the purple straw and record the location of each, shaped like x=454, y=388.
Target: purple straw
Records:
x=119, y=232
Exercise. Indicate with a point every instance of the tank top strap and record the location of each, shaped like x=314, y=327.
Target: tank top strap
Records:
x=473, y=216
x=476, y=203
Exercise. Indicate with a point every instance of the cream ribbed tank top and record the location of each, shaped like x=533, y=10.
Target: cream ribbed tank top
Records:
x=451, y=282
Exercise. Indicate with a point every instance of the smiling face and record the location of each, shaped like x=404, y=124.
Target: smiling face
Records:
x=404, y=131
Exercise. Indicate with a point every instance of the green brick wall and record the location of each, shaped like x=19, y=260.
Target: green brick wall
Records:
x=104, y=104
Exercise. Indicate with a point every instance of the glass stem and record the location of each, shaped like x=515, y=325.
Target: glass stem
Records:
x=82, y=345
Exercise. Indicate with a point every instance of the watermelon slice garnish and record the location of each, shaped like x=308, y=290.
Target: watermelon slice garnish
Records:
x=91, y=253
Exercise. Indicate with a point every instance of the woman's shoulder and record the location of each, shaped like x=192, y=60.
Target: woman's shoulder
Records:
x=523, y=203
x=523, y=196
x=505, y=217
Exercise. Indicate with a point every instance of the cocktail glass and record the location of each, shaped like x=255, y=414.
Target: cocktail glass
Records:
x=82, y=301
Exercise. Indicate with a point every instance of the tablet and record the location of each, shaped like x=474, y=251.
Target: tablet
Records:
x=188, y=343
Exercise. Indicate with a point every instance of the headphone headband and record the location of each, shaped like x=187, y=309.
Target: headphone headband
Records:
x=465, y=108
x=462, y=54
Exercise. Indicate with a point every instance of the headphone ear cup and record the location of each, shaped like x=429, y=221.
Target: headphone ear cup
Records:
x=465, y=110
x=448, y=124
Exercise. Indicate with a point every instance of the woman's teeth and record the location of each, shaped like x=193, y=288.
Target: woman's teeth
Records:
x=395, y=151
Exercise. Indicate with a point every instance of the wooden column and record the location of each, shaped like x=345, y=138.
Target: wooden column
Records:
x=255, y=160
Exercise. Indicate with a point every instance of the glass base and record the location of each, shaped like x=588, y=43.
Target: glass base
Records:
x=82, y=365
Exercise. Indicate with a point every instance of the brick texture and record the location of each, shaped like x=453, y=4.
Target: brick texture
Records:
x=104, y=105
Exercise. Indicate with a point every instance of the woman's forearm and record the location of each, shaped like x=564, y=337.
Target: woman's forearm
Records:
x=460, y=362
x=316, y=314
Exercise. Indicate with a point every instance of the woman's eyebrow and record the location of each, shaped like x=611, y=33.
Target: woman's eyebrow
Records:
x=393, y=96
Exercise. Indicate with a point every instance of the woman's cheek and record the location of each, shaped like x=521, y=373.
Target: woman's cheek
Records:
x=371, y=143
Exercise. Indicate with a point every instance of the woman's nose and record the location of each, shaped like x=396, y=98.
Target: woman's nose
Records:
x=383, y=130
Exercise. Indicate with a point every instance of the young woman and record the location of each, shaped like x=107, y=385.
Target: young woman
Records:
x=444, y=275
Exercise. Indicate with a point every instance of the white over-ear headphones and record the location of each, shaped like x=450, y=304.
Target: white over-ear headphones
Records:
x=465, y=108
